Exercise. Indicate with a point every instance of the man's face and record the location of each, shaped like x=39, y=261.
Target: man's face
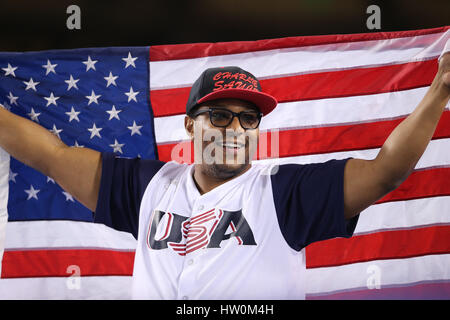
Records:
x=222, y=152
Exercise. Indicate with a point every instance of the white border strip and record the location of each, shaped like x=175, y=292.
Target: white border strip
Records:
x=4, y=191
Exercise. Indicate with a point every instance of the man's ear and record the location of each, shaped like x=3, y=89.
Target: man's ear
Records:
x=189, y=126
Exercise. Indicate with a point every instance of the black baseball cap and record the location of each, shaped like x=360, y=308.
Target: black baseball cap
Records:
x=229, y=83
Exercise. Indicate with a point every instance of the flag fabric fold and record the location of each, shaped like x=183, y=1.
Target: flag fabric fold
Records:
x=339, y=96
x=4, y=188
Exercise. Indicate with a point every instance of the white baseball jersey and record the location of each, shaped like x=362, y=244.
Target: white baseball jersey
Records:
x=245, y=239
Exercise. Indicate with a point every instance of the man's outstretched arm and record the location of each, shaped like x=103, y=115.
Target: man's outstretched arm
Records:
x=76, y=170
x=366, y=181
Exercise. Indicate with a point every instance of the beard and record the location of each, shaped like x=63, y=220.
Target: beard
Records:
x=224, y=171
x=223, y=154
x=222, y=163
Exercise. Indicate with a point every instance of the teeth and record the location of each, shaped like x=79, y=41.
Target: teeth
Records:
x=232, y=145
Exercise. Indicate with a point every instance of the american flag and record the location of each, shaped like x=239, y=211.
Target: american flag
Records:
x=96, y=98
x=339, y=96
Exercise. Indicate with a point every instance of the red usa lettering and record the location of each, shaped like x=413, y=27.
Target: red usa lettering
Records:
x=184, y=235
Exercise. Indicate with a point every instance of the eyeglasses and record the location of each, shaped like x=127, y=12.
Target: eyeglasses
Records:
x=223, y=117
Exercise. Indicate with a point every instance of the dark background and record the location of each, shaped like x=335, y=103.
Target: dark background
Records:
x=40, y=25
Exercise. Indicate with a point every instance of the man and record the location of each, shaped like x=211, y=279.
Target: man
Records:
x=224, y=228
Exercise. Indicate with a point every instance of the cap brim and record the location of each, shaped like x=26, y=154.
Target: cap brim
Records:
x=265, y=102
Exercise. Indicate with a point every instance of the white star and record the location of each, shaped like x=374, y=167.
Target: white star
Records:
x=31, y=84
x=90, y=64
x=12, y=176
x=33, y=115
x=51, y=99
x=72, y=83
x=73, y=115
x=93, y=98
x=76, y=145
x=12, y=99
x=131, y=94
x=50, y=180
x=111, y=79
x=113, y=113
x=49, y=67
x=95, y=131
x=56, y=131
x=32, y=193
x=68, y=196
x=135, y=128
x=129, y=60
x=117, y=146
x=10, y=70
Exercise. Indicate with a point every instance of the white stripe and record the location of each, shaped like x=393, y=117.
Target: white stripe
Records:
x=408, y=213
x=315, y=113
x=345, y=110
x=404, y=215
x=66, y=288
x=365, y=275
x=65, y=234
x=278, y=62
x=4, y=190
x=434, y=156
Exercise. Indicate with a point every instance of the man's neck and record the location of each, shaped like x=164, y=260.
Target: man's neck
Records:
x=206, y=182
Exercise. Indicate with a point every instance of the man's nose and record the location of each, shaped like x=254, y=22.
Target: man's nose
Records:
x=235, y=125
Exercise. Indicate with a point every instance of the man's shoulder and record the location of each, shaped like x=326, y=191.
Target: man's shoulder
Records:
x=172, y=169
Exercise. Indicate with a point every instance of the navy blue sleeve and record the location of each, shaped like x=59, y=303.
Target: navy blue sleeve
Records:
x=309, y=200
x=122, y=187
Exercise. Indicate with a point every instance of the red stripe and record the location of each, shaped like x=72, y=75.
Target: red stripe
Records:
x=195, y=233
x=215, y=223
x=198, y=50
x=192, y=249
x=201, y=238
x=396, y=244
x=408, y=243
x=206, y=219
x=202, y=215
x=330, y=84
x=233, y=228
x=300, y=142
x=168, y=227
x=54, y=263
x=421, y=184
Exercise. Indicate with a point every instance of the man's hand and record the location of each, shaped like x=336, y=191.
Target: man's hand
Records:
x=366, y=181
x=444, y=70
